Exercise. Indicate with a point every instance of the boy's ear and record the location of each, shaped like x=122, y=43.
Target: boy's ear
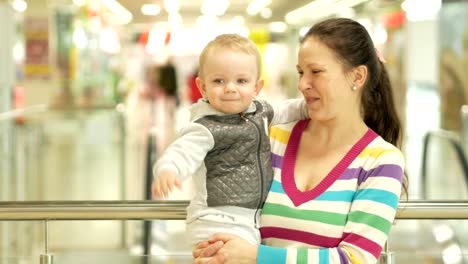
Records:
x=259, y=86
x=201, y=86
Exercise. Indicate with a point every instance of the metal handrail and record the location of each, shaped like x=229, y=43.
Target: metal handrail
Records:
x=41, y=108
x=93, y=210
x=23, y=111
x=175, y=210
x=455, y=142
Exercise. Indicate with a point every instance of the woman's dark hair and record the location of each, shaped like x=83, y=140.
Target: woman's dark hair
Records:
x=353, y=46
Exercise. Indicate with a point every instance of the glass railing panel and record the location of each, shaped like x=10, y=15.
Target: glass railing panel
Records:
x=429, y=241
x=18, y=260
x=20, y=239
x=444, y=172
x=57, y=154
x=120, y=258
x=81, y=156
x=94, y=240
x=427, y=258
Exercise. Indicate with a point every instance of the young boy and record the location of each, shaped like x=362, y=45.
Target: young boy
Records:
x=226, y=146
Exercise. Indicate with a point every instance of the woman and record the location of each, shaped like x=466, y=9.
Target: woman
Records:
x=338, y=176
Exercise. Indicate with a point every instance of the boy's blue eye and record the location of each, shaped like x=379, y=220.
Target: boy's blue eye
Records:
x=242, y=81
x=219, y=81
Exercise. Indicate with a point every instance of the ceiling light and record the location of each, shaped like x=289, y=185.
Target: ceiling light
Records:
x=266, y=13
x=79, y=2
x=171, y=6
x=256, y=5
x=123, y=15
x=109, y=41
x=175, y=20
x=214, y=7
x=278, y=27
x=238, y=21
x=150, y=9
x=19, y=5
x=303, y=31
x=318, y=9
x=417, y=10
x=206, y=21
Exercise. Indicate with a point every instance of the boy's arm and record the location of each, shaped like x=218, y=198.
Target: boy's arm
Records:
x=185, y=155
x=289, y=110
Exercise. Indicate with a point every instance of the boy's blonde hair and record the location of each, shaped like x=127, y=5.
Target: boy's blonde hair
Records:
x=233, y=42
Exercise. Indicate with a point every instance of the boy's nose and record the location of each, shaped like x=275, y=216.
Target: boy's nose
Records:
x=230, y=87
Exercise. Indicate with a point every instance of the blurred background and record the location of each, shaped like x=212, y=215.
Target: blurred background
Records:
x=91, y=92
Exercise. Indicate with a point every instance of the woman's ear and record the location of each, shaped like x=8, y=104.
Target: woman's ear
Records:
x=201, y=86
x=360, y=75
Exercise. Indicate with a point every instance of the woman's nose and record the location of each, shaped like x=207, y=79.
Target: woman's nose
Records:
x=303, y=84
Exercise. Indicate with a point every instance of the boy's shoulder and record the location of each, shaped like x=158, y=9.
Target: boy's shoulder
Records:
x=265, y=105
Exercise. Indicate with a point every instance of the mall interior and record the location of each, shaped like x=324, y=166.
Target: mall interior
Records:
x=79, y=131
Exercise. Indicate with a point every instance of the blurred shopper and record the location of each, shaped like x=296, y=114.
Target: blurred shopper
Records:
x=226, y=146
x=193, y=92
x=339, y=174
x=150, y=111
x=168, y=80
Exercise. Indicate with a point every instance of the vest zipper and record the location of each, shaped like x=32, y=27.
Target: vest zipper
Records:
x=259, y=145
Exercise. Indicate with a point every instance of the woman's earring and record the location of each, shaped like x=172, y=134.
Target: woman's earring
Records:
x=354, y=88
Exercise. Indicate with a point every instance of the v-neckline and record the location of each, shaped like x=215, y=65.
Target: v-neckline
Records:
x=299, y=197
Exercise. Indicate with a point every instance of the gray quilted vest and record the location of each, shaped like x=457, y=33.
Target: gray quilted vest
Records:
x=239, y=171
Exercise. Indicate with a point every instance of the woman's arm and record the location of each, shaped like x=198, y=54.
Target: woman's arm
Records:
x=289, y=110
x=227, y=249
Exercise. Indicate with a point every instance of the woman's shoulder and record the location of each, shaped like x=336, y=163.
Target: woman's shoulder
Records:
x=285, y=128
x=384, y=151
x=282, y=132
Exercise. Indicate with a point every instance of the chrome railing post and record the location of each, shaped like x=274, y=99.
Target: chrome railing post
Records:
x=46, y=258
x=386, y=257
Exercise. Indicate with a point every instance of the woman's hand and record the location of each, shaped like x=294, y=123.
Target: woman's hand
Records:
x=225, y=249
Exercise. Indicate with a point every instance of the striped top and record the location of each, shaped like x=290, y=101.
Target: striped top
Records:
x=346, y=218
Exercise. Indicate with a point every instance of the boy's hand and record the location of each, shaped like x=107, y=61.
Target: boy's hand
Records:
x=164, y=183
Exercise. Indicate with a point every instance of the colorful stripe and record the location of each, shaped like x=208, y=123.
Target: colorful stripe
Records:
x=302, y=256
x=335, y=196
x=299, y=236
x=268, y=255
x=276, y=161
x=372, y=220
x=324, y=254
x=363, y=243
x=276, y=187
x=343, y=256
x=279, y=134
x=386, y=170
x=379, y=196
x=308, y=215
x=376, y=152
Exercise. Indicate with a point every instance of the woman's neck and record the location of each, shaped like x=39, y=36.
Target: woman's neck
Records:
x=337, y=132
